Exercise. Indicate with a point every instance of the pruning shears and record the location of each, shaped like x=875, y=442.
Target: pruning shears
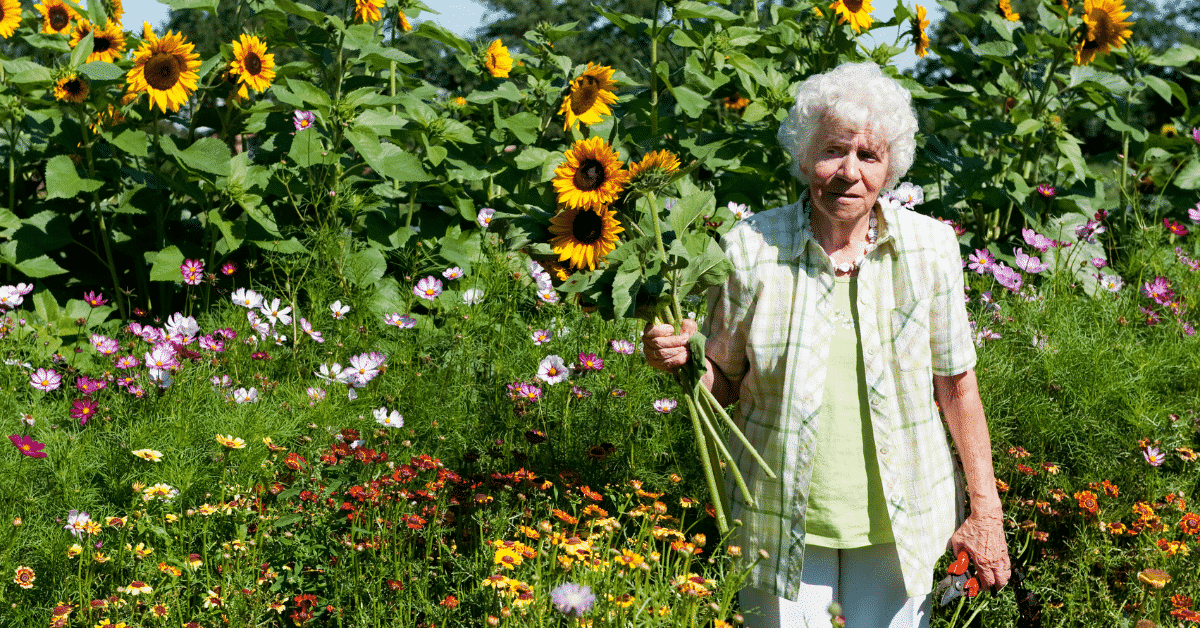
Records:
x=958, y=582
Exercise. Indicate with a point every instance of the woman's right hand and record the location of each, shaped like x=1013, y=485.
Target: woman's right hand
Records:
x=664, y=349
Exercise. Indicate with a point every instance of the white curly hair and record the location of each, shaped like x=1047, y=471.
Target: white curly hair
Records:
x=859, y=96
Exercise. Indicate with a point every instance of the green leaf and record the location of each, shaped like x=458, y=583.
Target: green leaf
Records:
x=360, y=36
x=747, y=65
x=689, y=9
x=1069, y=147
x=380, y=120
x=36, y=267
x=132, y=141
x=1165, y=89
x=101, y=71
x=432, y=30
x=387, y=297
x=524, y=126
x=308, y=150
x=287, y=520
x=389, y=160
x=693, y=104
x=81, y=50
x=291, y=246
x=998, y=49
x=46, y=307
x=62, y=181
x=625, y=288
x=365, y=267
x=1189, y=176
x=165, y=264
x=534, y=157
x=1028, y=126
x=232, y=232
x=381, y=54
x=207, y=154
x=23, y=71
x=461, y=249
x=299, y=10
x=689, y=208
x=310, y=96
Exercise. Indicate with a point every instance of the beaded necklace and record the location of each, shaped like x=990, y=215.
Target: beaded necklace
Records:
x=872, y=237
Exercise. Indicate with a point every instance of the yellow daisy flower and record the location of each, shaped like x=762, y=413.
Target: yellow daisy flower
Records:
x=253, y=67
x=71, y=88
x=10, y=17
x=165, y=69
x=589, y=97
x=919, y=39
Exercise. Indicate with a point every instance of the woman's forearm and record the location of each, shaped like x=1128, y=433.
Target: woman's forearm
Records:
x=720, y=386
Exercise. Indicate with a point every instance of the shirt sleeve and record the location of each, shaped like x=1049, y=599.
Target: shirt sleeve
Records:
x=950, y=330
x=730, y=308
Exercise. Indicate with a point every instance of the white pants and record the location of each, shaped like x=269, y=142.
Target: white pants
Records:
x=866, y=581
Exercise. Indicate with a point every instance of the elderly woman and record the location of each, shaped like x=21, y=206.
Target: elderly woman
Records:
x=841, y=324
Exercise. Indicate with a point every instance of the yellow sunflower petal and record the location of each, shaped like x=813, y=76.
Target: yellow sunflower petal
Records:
x=71, y=88
x=56, y=16
x=367, y=11
x=252, y=66
x=1104, y=28
x=108, y=43
x=582, y=237
x=589, y=97
x=165, y=68
x=919, y=39
x=10, y=17
x=591, y=176
x=497, y=60
x=856, y=12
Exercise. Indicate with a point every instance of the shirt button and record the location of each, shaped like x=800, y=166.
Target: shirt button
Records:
x=871, y=351
x=884, y=450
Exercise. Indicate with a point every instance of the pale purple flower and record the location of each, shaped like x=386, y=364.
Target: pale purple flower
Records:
x=1194, y=213
x=243, y=395
x=192, y=271
x=182, y=326
x=338, y=310
x=1159, y=290
x=665, y=405
x=246, y=298
x=452, y=273
x=1037, y=240
x=548, y=296
x=308, y=329
x=104, y=345
x=484, y=217
x=45, y=379
x=1008, y=277
x=908, y=195
x=303, y=120
x=1027, y=263
x=161, y=357
x=982, y=261
x=1196, y=134
x=76, y=522
x=261, y=327
x=553, y=370
x=428, y=288
x=315, y=395
x=10, y=297
x=985, y=334
x=332, y=373
x=580, y=393
x=1154, y=456
x=573, y=600
x=1099, y=262
x=1188, y=330
x=400, y=320
x=127, y=362
x=136, y=391
x=1112, y=283
x=386, y=419
x=472, y=296
x=221, y=381
x=276, y=314
x=624, y=347
x=363, y=368
x=1088, y=231
x=542, y=336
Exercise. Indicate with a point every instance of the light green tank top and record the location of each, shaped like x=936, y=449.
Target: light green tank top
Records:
x=846, y=507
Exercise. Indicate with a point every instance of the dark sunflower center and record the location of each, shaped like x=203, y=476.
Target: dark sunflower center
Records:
x=253, y=64
x=853, y=5
x=59, y=18
x=590, y=175
x=101, y=44
x=1105, y=33
x=583, y=98
x=587, y=227
x=162, y=71
x=74, y=87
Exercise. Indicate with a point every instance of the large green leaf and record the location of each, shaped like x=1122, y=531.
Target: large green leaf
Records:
x=299, y=10
x=308, y=150
x=366, y=267
x=689, y=9
x=389, y=160
x=207, y=154
x=689, y=208
x=204, y=5
x=164, y=264
x=62, y=181
x=101, y=71
x=432, y=30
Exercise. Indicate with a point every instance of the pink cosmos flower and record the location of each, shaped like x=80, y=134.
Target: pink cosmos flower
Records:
x=303, y=120
x=428, y=288
x=548, y=295
x=1027, y=263
x=553, y=370
x=1196, y=134
x=127, y=362
x=484, y=217
x=400, y=320
x=83, y=409
x=1046, y=190
x=308, y=329
x=45, y=379
x=1174, y=227
x=1099, y=262
x=228, y=268
x=452, y=273
x=88, y=386
x=590, y=362
x=27, y=446
x=104, y=345
x=542, y=336
x=982, y=261
x=525, y=391
x=1159, y=290
x=209, y=342
x=162, y=356
x=665, y=405
x=1037, y=240
x=624, y=347
x=94, y=299
x=1154, y=456
x=1194, y=213
x=1008, y=277
x=192, y=271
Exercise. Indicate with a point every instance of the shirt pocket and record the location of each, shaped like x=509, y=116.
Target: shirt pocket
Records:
x=911, y=336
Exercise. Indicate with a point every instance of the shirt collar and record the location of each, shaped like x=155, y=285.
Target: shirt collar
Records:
x=804, y=232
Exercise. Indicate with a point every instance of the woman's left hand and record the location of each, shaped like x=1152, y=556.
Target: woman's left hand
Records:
x=982, y=536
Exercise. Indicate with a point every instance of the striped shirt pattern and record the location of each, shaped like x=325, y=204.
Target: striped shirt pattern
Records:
x=769, y=327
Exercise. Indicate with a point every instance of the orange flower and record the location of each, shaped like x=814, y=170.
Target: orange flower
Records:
x=1001, y=486
x=1087, y=502
x=1110, y=489
x=1190, y=523
x=564, y=516
x=1058, y=494
x=1018, y=452
x=1143, y=510
x=1116, y=528
x=590, y=494
x=1155, y=578
x=593, y=510
x=1180, y=600
x=1172, y=548
x=1051, y=468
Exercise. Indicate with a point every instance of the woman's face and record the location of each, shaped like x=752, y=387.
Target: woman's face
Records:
x=846, y=170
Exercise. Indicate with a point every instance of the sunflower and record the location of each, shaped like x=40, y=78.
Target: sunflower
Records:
x=367, y=10
x=497, y=60
x=583, y=237
x=56, y=16
x=857, y=12
x=1104, y=28
x=71, y=88
x=591, y=176
x=10, y=17
x=919, y=38
x=1007, y=12
x=736, y=101
x=166, y=69
x=654, y=164
x=116, y=10
x=589, y=97
x=403, y=19
x=1066, y=5
x=253, y=67
x=107, y=43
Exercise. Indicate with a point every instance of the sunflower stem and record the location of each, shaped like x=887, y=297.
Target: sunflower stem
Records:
x=716, y=408
x=710, y=478
x=716, y=439
x=103, y=228
x=654, y=72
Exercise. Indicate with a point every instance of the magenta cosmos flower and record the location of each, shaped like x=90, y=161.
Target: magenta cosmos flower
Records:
x=228, y=268
x=1008, y=277
x=428, y=288
x=1036, y=240
x=45, y=379
x=83, y=409
x=1174, y=227
x=192, y=271
x=304, y=120
x=590, y=362
x=94, y=299
x=1028, y=263
x=982, y=261
x=27, y=446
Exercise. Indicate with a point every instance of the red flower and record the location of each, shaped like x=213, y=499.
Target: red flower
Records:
x=1087, y=502
x=1174, y=227
x=1190, y=523
x=294, y=461
x=83, y=409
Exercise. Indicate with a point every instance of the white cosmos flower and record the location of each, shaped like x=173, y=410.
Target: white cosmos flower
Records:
x=339, y=311
x=553, y=370
x=386, y=419
x=247, y=298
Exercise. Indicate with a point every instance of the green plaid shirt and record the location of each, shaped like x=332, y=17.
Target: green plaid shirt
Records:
x=769, y=326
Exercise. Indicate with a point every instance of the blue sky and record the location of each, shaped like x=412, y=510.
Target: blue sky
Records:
x=464, y=16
